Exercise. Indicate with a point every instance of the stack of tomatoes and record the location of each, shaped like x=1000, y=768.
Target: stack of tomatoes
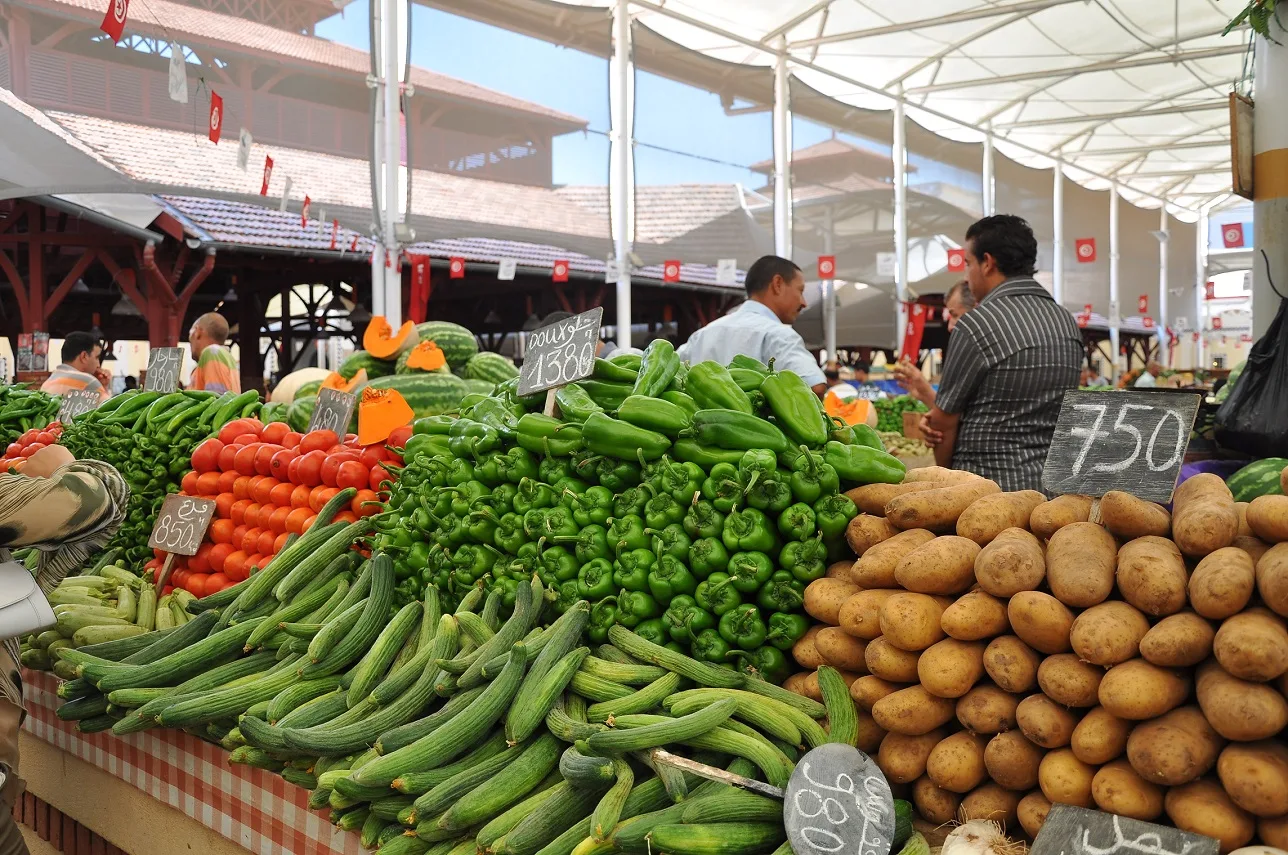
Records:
x=28, y=444
x=269, y=482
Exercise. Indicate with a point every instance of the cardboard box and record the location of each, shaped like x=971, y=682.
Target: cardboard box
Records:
x=912, y=425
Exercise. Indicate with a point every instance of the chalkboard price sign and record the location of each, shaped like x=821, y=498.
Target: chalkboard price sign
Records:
x=75, y=403
x=837, y=802
x=333, y=412
x=182, y=524
x=1072, y=830
x=561, y=353
x=1132, y=441
x=164, y=365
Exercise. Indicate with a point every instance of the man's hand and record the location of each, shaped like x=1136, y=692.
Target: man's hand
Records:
x=910, y=377
x=929, y=435
x=47, y=461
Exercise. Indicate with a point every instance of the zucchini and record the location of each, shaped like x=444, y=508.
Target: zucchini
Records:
x=417, y=783
x=299, y=693
x=626, y=674
x=381, y=655
x=565, y=807
x=606, y=814
x=146, y=613
x=121, y=576
x=454, y=737
x=842, y=714
x=586, y=770
x=96, y=583
x=47, y=638
x=774, y=718
x=62, y=670
x=515, y=780
x=645, y=699
x=699, y=672
x=35, y=659
x=68, y=622
x=164, y=618
x=723, y=838
x=524, y=718
x=127, y=603
x=441, y=796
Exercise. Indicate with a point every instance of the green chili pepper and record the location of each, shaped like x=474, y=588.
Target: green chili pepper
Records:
x=749, y=530
x=655, y=414
x=797, y=522
x=470, y=438
x=657, y=368
x=684, y=619
x=631, y=569
x=748, y=571
x=751, y=363
x=609, y=396
x=712, y=387
x=682, y=400
x=708, y=646
x=862, y=434
x=862, y=464
x=542, y=434
x=747, y=379
x=595, y=580
x=433, y=425
x=786, y=629
x=613, y=438
x=737, y=431
x=796, y=408
x=716, y=594
x=575, y=403
x=834, y=514
x=690, y=451
x=708, y=555
x=703, y=520
x=434, y=445
x=742, y=627
x=614, y=373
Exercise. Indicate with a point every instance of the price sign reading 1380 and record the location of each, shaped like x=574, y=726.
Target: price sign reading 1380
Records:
x=561, y=353
x=1130, y=441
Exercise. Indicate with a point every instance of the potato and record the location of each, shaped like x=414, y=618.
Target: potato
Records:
x=957, y=762
x=949, y=668
x=805, y=650
x=809, y=687
x=940, y=475
x=841, y=650
x=1241, y=510
x=1151, y=575
x=988, y=516
x=1067, y=680
x=888, y=662
x=987, y=709
x=1204, y=808
x=1252, y=645
x=860, y=614
x=934, y=804
x=1117, y=789
x=975, y=616
x=1268, y=518
x=1255, y=775
x=1032, y=811
x=1237, y=709
x=1273, y=832
x=1080, y=560
x=1174, y=749
x=903, y=758
x=912, y=711
x=870, y=733
x=866, y=531
x=876, y=568
x=911, y=621
x=1044, y=722
x=1129, y=518
x=866, y=691
x=1272, y=578
x=1137, y=690
x=1065, y=779
x=1041, y=621
x=944, y=565
x=824, y=598
x=1203, y=515
x=937, y=509
x=1178, y=641
x=872, y=499
x=1012, y=761
x=1222, y=583
x=1013, y=562
x=1099, y=737
x=1011, y=664
x=1108, y=633
x=840, y=570
x=1049, y=517
x=990, y=802
x=1251, y=545
x=795, y=683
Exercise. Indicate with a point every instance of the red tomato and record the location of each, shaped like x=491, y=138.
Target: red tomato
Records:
x=345, y=517
x=200, y=563
x=264, y=458
x=329, y=469
x=196, y=584
x=280, y=543
x=32, y=449
x=235, y=566
x=319, y=497
x=208, y=484
x=263, y=491
x=318, y=440
x=279, y=465
x=252, y=515
x=179, y=577
x=308, y=523
x=29, y=437
x=373, y=455
x=239, y=532
x=300, y=497
x=14, y=449
x=310, y=473
x=246, y=439
x=264, y=545
x=218, y=553
x=291, y=440
x=237, y=427
x=216, y=582
x=280, y=495
x=257, y=562
x=274, y=431
x=227, y=455
x=351, y=440
x=244, y=462
x=295, y=521
x=227, y=480
x=277, y=520
x=250, y=540
x=366, y=503
x=205, y=457
x=224, y=505
x=379, y=475
x=189, y=483
x=293, y=469
x=352, y=474
x=398, y=436
x=238, y=513
x=46, y=437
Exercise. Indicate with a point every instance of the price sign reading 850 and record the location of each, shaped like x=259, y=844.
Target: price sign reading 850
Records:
x=1132, y=441
x=561, y=353
x=182, y=524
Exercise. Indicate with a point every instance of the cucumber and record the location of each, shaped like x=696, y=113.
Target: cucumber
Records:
x=97, y=724
x=809, y=706
x=701, y=673
x=776, y=766
x=297, y=577
x=404, y=845
x=902, y=824
x=567, y=727
x=610, y=653
x=88, y=635
x=523, y=720
x=312, y=552
x=626, y=674
x=474, y=629
x=673, y=780
x=765, y=714
x=323, y=637
x=248, y=755
x=586, y=770
x=565, y=807
x=491, y=613
x=389, y=807
x=134, y=698
x=509, y=785
x=514, y=629
x=370, y=832
x=176, y=665
x=402, y=678
x=723, y=838
x=171, y=641
x=606, y=814
x=258, y=710
x=303, y=779
x=386, y=646
x=597, y=688
x=497, y=827
x=229, y=702
x=83, y=708
x=403, y=736
x=733, y=805
x=440, y=797
x=556, y=643
x=297, y=694
x=292, y=611
x=645, y=699
x=418, y=783
x=228, y=673
x=842, y=714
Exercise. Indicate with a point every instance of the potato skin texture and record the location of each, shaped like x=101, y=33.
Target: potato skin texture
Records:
x=944, y=566
x=1042, y=621
x=1109, y=633
x=975, y=616
x=841, y=650
x=912, y=711
x=888, y=662
x=869, y=689
x=1204, y=808
x=1178, y=641
x=872, y=499
x=1033, y=810
x=1128, y=517
x=1137, y=690
x=1222, y=583
x=805, y=650
x=911, y=621
x=990, y=802
x=1252, y=645
x=1239, y=710
x=1255, y=775
x=1013, y=562
x=1044, y=722
x=866, y=531
x=903, y=758
x=1203, y=515
x=1080, y=563
x=1049, y=517
x=860, y=615
x=987, y=709
x=1012, y=760
x=824, y=598
x=1152, y=576
x=949, y=668
x=1066, y=679
x=987, y=516
x=937, y=509
x=1011, y=664
x=957, y=762
x=1175, y=748
x=1100, y=737
x=934, y=804
x=875, y=567
x=1268, y=518
x=1066, y=779
x=1272, y=578
x=1117, y=789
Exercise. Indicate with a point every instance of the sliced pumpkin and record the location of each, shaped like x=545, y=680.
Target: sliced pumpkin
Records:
x=383, y=342
x=426, y=356
x=335, y=380
x=380, y=413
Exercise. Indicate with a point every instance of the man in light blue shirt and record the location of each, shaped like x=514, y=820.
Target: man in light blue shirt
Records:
x=761, y=327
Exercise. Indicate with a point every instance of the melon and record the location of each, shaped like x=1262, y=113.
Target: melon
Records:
x=1259, y=478
x=361, y=360
x=481, y=387
x=427, y=393
x=457, y=343
x=384, y=342
x=288, y=388
x=489, y=366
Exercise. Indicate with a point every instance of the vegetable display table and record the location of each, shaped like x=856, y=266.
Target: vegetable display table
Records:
x=245, y=808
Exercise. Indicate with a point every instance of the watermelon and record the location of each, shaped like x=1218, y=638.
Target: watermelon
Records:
x=457, y=343
x=362, y=359
x=428, y=393
x=1259, y=478
x=489, y=366
x=300, y=412
x=308, y=390
x=479, y=387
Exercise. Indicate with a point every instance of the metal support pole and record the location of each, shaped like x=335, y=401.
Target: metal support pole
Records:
x=899, y=152
x=386, y=270
x=1115, y=313
x=378, y=157
x=1200, y=284
x=1161, y=322
x=829, y=289
x=989, y=184
x=1057, y=219
x=622, y=182
x=782, y=154
x=1270, y=195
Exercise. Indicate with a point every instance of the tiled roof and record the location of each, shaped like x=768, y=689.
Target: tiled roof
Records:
x=167, y=19
x=664, y=213
x=831, y=148
x=838, y=187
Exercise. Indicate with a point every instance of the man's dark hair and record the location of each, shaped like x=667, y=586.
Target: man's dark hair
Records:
x=831, y=372
x=1009, y=239
x=865, y=367
x=763, y=271
x=77, y=343
x=962, y=290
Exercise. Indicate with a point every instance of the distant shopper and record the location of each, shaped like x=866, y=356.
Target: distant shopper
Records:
x=761, y=327
x=1010, y=362
x=1092, y=379
x=131, y=383
x=957, y=302
x=216, y=369
x=1148, y=378
x=79, y=369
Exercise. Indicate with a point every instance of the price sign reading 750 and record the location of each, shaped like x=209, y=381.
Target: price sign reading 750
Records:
x=1132, y=441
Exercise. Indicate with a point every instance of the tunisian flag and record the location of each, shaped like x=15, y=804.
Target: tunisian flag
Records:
x=913, y=332
x=114, y=21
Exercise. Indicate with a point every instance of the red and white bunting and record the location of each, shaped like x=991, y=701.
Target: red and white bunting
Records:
x=559, y=273
x=913, y=333
x=1216, y=323
x=335, y=232
x=671, y=271
x=216, y=117
x=456, y=268
x=956, y=260
x=1085, y=250
x=268, y=175
x=114, y=20
x=1232, y=235
x=353, y=245
x=1148, y=322
x=304, y=211
x=827, y=267
x=1142, y=304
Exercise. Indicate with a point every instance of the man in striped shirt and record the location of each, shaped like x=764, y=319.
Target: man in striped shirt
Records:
x=1012, y=359
x=79, y=369
x=216, y=369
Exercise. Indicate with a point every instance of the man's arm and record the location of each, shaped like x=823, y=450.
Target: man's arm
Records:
x=787, y=348
x=962, y=376
x=944, y=427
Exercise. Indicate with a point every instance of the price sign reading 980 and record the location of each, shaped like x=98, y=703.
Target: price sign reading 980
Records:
x=182, y=524
x=1131, y=441
x=561, y=353
x=164, y=365
x=333, y=411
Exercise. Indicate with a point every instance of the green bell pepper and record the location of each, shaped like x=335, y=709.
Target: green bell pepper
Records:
x=786, y=629
x=634, y=607
x=617, y=475
x=812, y=478
x=603, y=617
x=662, y=510
x=657, y=368
x=654, y=630
x=481, y=525
x=517, y=464
x=590, y=543
x=631, y=569
x=551, y=469
x=560, y=565
x=488, y=469
x=595, y=580
x=708, y=555
x=593, y=506
x=670, y=578
x=703, y=520
x=834, y=514
x=796, y=408
x=708, y=646
x=722, y=487
x=768, y=663
x=566, y=596
x=797, y=522
x=712, y=387
x=631, y=501
x=806, y=560
x=748, y=571
x=531, y=495
x=749, y=530
x=684, y=619
x=558, y=522
x=771, y=495
x=742, y=627
x=509, y=534
x=672, y=540
x=716, y=594
x=682, y=480
x=737, y=431
x=627, y=532
x=613, y=438
x=782, y=593
x=863, y=464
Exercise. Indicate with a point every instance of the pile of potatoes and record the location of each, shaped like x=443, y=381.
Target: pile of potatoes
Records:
x=1006, y=652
